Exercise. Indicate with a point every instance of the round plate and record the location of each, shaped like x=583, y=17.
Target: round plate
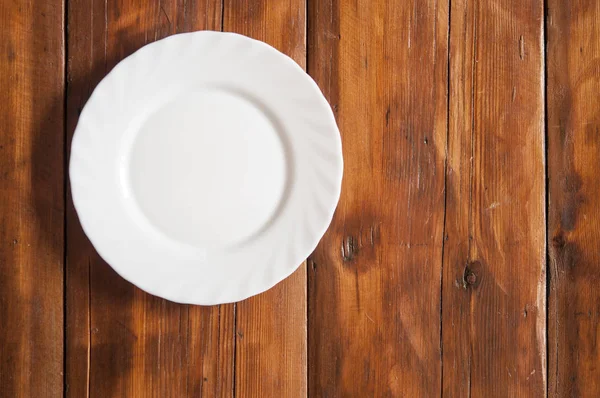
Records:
x=205, y=167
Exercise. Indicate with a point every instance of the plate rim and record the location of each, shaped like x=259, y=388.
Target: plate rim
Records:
x=266, y=285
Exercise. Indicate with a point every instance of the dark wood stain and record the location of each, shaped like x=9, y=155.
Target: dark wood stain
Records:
x=31, y=199
x=573, y=217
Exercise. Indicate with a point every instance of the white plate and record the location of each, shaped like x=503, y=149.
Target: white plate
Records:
x=206, y=167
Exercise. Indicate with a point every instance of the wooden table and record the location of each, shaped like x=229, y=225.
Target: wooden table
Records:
x=464, y=256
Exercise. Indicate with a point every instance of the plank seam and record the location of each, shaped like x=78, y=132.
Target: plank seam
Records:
x=235, y=336
x=445, y=198
x=472, y=172
x=187, y=349
x=307, y=48
x=234, y=359
x=222, y=15
x=546, y=185
x=306, y=262
x=65, y=4
x=471, y=162
x=89, y=345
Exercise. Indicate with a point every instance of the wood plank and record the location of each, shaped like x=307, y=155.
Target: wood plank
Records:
x=574, y=216
x=271, y=327
x=494, y=254
x=31, y=198
x=374, y=281
x=120, y=340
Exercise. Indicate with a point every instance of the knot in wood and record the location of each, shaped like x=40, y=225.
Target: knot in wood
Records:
x=471, y=278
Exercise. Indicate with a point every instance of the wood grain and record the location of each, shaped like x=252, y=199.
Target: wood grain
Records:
x=432, y=278
x=120, y=340
x=374, y=281
x=31, y=198
x=493, y=313
x=271, y=327
x=574, y=215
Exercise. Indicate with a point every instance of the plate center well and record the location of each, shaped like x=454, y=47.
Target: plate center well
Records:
x=208, y=169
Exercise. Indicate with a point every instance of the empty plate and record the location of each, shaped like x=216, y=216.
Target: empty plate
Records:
x=205, y=167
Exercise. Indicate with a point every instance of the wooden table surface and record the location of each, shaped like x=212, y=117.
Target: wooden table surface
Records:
x=464, y=256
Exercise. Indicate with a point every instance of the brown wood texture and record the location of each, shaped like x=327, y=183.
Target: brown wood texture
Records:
x=573, y=69
x=121, y=341
x=271, y=328
x=374, y=281
x=493, y=313
x=31, y=198
x=431, y=280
